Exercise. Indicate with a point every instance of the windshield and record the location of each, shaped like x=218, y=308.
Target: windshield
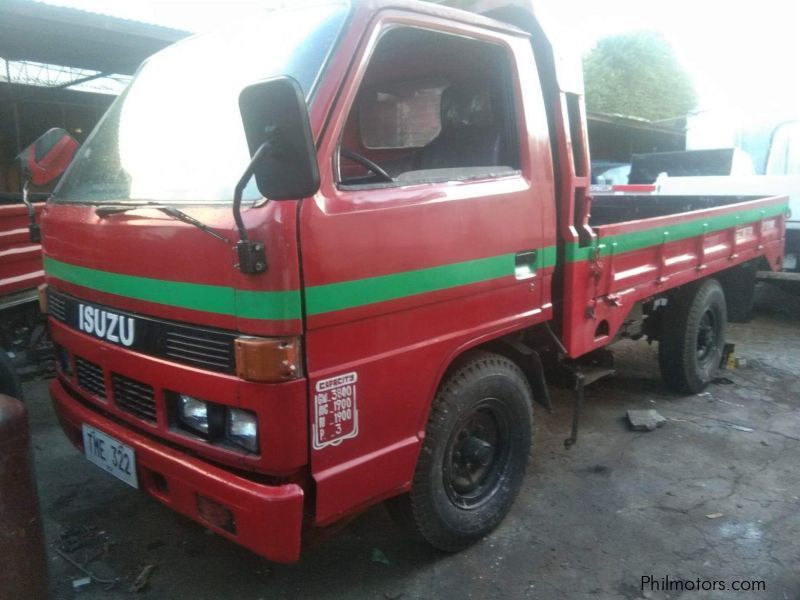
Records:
x=175, y=135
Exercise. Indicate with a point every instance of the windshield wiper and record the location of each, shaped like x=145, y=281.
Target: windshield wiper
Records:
x=175, y=213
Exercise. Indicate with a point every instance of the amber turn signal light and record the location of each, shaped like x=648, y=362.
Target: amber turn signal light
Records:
x=268, y=359
x=42, y=291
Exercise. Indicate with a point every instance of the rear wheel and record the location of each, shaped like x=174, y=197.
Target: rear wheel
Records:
x=693, y=337
x=475, y=453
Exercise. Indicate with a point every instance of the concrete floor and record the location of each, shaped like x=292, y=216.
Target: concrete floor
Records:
x=714, y=494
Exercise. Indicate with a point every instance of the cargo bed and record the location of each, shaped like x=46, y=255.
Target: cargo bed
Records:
x=608, y=209
x=643, y=246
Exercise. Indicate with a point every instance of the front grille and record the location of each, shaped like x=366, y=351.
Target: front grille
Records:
x=210, y=349
x=90, y=377
x=134, y=397
x=57, y=306
x=205, y=351
x=131, y=396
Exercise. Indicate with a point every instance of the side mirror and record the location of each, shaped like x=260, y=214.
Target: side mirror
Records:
x=46, y=159
x=274, y=114
x=284, y=159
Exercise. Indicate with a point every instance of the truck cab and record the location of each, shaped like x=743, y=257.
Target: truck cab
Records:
x=426, y=120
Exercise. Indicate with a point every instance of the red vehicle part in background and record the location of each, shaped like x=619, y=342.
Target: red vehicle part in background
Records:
x=20, y=259
x=21, y=272
x=48, y=157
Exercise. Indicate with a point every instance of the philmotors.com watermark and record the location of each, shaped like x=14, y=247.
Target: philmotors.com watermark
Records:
x=651, y=583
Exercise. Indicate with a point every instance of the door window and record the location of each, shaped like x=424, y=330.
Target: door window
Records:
x=432, y=107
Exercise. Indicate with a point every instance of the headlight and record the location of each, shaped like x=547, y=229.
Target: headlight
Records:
x=242, y=429
x=215, y=423
x=199, y=416
x=193, y=413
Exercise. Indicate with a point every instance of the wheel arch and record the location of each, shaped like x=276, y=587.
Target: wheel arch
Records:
x=738, y=286
x=506, y=345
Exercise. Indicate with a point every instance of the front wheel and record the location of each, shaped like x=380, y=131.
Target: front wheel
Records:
x=475, y=453
x=693, y=337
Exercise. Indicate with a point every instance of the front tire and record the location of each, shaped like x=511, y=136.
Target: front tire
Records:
x=475, y=453
x=693, y=337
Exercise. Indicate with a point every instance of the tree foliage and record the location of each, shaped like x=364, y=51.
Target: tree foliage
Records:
x=637, y=74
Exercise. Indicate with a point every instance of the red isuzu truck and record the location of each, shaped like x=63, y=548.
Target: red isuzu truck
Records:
x=369, y=309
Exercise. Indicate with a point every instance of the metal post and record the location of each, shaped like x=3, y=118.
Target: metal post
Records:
x=15, y=108
x=580, y=384
x=23, y=561
x=17, y=134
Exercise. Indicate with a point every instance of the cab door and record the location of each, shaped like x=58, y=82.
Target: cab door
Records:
x=427, y=237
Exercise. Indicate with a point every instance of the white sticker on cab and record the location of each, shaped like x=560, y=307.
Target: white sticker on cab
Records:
x=335, y=410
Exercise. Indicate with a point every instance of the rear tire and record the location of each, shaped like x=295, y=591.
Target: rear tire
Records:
x=693, y=337
x=475, y=453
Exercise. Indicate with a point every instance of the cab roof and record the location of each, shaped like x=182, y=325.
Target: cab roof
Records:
x=518, y=17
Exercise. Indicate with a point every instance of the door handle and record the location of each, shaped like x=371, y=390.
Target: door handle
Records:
x=525, y=264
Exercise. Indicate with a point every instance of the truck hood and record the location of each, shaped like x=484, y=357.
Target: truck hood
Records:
x=146, y=262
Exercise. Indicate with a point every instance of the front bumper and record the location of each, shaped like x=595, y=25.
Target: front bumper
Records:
x=268, y=519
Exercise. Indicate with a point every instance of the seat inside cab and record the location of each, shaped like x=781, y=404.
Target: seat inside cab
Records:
x=432, y=107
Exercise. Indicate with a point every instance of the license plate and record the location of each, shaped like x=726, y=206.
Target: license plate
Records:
x=110, y=455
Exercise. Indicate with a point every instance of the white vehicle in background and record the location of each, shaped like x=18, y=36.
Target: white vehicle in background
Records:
x=781, y=178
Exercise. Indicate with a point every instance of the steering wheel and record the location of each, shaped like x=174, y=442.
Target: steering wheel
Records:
x=369, y=165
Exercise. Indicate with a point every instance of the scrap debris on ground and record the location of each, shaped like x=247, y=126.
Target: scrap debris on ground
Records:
x=645, y=420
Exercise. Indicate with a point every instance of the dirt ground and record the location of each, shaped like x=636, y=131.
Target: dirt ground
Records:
x=713, y=495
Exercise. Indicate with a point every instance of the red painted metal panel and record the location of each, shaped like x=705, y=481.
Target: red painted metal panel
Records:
x=268, y=518
x=20, y=259
x=22, y=545
x=606, y=287
x=281, y=408
x=398, y=349
x=634, y=188
x=147, y=243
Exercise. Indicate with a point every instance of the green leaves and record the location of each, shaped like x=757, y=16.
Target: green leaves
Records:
x=637, y=75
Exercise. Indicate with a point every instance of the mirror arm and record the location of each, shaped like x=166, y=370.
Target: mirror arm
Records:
x=251, y=254
x=239, y=190
x=34, y=231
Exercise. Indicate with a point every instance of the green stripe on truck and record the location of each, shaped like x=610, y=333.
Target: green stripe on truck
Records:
x=635, y=240
x=321, y=299
x=286, y=304
x=247, y=304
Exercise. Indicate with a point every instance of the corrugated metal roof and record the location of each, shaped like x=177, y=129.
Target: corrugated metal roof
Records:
x=43, y=33
x=67, y=6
